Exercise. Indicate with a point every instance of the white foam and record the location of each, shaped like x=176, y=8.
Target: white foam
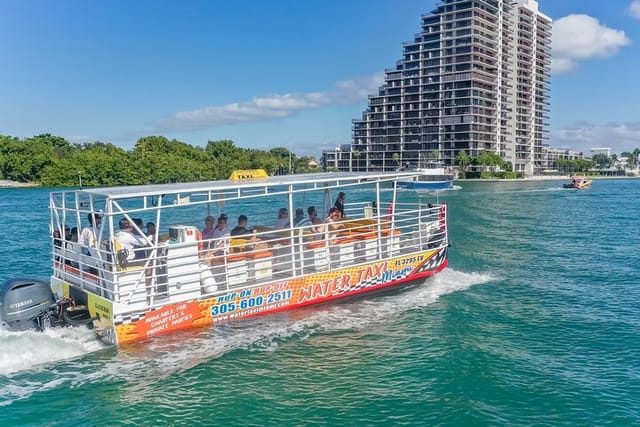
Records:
x=148, y=362
x=164, y=356
x=26, y=349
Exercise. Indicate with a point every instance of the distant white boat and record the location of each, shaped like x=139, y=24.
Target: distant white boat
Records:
x=430, y=176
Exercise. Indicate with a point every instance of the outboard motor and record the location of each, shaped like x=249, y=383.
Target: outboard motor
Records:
x=30, y=304
x=25, y=303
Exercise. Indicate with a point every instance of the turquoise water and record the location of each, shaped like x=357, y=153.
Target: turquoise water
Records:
x=535, y=322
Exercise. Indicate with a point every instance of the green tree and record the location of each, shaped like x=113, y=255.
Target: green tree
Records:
x=563, y=165
x=491, y=160
x=226, y=157
x=601, y=161
x=53, y=161
x=463, y=159
x=582, y=165
x=285, y=157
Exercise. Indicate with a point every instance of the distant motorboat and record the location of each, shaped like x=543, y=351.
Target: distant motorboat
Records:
x=578, y=182
x=431, y=176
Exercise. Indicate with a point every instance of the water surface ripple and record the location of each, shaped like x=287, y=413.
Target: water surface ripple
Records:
x=536, y=322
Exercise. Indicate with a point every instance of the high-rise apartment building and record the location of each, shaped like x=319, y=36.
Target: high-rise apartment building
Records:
x=476, y=78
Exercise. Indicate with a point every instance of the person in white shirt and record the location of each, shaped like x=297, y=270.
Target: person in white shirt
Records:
x=221, y=236
x=332, y=223
x=89, y=236
x=129, y=242
x=283, y=219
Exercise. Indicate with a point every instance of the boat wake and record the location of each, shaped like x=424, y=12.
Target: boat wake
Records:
x=27, y=349
x=25, y=357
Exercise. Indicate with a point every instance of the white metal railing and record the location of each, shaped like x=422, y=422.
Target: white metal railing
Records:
x=173, y=272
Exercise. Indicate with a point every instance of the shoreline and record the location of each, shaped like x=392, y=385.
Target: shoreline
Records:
x=540, y=178
x=5, y=183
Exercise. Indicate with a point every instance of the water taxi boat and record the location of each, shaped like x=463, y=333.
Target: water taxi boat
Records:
x=177, y=279
x=579, y=182
x=429, y=177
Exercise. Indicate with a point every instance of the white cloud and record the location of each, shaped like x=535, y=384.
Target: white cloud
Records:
x=271, y=106
x=583, y=136
x=634, y=8
x=581, y=37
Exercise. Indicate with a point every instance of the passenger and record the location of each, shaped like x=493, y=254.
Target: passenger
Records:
x=89, y=236
x=207, y=231
x=57, y=240
x=300, y=220
x=339, y=204
x=73, y=250
x=224, y=218
x=313, y=224
x=73, y=234
x=283, y=219
x=332, y=223
x=139, y=225
x=241, y=229
x=151, y=231
x=220, y=236
x=316, y=223
x=129, y=241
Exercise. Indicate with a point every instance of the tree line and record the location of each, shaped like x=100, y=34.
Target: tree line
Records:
x=597, y=161
x=52, y=161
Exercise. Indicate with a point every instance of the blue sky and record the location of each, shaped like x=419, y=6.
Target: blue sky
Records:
x=274, y=73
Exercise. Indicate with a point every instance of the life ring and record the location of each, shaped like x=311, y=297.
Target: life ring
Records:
x=442, y=216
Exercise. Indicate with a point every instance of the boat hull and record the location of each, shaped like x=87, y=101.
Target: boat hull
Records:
x=578, y=186
x=425, y=185
x=252, y=301
x=578, y=182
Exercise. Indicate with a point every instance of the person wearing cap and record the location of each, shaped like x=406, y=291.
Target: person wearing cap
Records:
x=88, y=237
x=129, y=242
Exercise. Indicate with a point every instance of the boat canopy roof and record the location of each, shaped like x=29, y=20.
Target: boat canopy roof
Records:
x=314, y=180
